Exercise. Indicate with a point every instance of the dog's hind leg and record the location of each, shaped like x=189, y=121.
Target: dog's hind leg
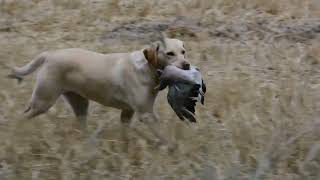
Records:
x=152, y=122
x=79, y=106
x=43, y=97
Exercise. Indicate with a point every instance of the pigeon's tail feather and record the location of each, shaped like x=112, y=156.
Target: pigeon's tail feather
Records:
x=187, y=114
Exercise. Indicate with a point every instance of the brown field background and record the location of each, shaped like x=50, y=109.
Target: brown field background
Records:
x=260, y=60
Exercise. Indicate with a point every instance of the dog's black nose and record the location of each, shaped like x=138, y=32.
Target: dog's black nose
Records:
x=186, y=66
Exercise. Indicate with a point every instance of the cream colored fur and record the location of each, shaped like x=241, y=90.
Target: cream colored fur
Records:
x=125, y=81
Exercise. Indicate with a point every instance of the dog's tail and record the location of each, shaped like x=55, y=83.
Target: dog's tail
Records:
x=19, y=72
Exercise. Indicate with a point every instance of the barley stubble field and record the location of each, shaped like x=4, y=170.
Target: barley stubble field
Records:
x=260, y=60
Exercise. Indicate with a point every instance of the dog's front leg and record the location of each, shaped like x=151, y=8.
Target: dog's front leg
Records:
x=126, y=118
x=152, y=121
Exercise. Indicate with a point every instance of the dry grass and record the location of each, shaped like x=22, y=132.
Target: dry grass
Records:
x=260, y=60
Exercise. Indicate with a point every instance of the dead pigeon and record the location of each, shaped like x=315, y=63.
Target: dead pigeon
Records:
x=186, y=87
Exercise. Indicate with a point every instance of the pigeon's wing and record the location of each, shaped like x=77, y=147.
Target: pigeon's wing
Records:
x=185, y=87
x=174, y=99
x=194, y=90
x=185, y=94
x=189, y=99
x=190, y=105
x=202, y=99
x=187, y=114
x=204, y=90
x=204, y=87
x=179, y=113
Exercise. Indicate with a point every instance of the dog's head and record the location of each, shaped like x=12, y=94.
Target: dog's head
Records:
x=165, y=52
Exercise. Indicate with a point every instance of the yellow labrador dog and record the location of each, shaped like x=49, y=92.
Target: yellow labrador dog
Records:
x=125, y=81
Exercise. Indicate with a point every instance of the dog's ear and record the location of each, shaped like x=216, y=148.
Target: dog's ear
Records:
x=151, y=55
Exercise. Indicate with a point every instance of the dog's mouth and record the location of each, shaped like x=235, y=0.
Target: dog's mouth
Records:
x=184, y=66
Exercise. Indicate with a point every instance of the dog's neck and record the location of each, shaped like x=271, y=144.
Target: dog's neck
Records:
x=155, y=76
x=146, y=70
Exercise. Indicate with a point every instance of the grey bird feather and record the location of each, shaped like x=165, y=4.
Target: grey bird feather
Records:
x=186, y=87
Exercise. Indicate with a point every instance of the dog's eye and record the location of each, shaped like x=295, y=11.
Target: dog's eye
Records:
x=183, y=51
x=170, y=53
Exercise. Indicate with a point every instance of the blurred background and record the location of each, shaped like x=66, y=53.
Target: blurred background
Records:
x=260, y=60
